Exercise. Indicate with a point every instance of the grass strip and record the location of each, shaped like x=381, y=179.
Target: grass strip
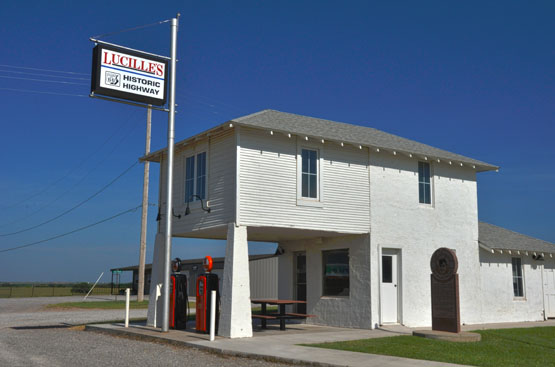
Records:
x=105, y=305
x=500, y=347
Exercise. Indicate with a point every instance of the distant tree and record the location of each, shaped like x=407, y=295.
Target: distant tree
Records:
x=82, y=287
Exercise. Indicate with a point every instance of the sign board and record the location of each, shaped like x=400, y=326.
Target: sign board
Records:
x=128, y=74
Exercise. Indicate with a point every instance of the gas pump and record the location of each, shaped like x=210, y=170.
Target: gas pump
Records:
x=206, y=283
x=179, y=302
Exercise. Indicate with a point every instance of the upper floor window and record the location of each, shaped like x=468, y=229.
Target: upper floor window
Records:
x=195, y=177
x=518, y=284
x=424, y=185
x=309, y=173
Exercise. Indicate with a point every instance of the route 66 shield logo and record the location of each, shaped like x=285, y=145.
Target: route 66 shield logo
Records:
x=112, y=79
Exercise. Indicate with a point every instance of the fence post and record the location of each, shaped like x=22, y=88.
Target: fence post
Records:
x=127, y=293
x=213, y=316
x=10, y=292
x=33, y=291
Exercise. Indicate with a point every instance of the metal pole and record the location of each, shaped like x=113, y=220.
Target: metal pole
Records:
x=142, y=251
x=169, y=183
x=94, y=285
x=127, y=293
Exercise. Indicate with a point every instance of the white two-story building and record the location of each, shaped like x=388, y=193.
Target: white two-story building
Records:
x=357, y=214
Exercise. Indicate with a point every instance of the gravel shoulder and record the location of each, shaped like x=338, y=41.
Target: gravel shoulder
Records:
x=33, y=336
x=65, y=347
x=17, y=312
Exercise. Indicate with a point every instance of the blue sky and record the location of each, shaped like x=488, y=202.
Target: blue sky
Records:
x=475, y=78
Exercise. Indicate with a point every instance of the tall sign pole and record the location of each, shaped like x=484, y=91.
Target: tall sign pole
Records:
x=142, y=251
x=169, y=181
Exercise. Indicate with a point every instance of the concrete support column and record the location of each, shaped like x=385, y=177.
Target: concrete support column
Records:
x=235, y=316
x=154, y=315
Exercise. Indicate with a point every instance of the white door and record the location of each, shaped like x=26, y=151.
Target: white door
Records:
x=549, y=290
x=389, y=287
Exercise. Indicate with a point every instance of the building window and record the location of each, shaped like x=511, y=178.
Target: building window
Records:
x=201, y=175
x=518, y=284
x=336, y=272
x=195, y=180
x=424, y=186
x=387, y=269
x=309, y=173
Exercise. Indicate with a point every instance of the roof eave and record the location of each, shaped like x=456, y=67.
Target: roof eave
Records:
x=479, y=167
x=158, y=155
x=513, y=251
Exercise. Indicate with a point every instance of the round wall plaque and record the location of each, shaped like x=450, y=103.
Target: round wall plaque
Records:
x=444, y=264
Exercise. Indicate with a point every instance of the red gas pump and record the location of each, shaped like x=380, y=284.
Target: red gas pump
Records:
x=206, y=283
x=178, y=297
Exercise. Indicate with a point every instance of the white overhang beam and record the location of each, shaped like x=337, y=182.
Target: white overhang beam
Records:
x=484, y=247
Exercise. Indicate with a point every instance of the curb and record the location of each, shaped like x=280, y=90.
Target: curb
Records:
x=220, y=351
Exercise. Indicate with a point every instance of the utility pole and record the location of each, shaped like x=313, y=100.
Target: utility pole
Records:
x=169, y=184
x=142, y=252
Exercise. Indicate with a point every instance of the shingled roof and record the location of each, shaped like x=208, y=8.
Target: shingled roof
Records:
x=340, y=132
x=497, y=238
x=350, y=134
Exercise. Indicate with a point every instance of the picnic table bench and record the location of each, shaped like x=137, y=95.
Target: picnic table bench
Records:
x=281, y=315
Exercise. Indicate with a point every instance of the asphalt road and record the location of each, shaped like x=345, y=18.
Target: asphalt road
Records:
x=30, y=336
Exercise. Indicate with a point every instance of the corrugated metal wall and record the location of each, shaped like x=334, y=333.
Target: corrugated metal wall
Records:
x=264, y=278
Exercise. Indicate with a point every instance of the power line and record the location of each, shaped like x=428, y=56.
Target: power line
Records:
x=76, y=184
x=74, y=207
x=41, y=92
x=208, y=104
x=70, y=172
x=215, y=101
x=201, y=107
x=118, y=144
x=35, y=74
x=131, y=29
x=74, y=231
x=41, y=80
x=51, y=71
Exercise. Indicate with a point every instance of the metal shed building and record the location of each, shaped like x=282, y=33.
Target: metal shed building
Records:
x=263, y=274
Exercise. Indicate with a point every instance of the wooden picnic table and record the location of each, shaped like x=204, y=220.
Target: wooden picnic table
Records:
x=282, y=315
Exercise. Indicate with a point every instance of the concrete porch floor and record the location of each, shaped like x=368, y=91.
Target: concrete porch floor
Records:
x=282, y=346
x=276, y=345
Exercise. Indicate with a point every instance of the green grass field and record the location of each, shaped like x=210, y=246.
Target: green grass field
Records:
x=46, y=291
x=114, y=305
x=500, y=347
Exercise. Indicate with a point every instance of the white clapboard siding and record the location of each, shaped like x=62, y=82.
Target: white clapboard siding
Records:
x=264, y=278
x=221, y=153
x=268, y=185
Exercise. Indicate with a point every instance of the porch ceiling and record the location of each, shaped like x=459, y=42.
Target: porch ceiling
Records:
x=265, y=234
